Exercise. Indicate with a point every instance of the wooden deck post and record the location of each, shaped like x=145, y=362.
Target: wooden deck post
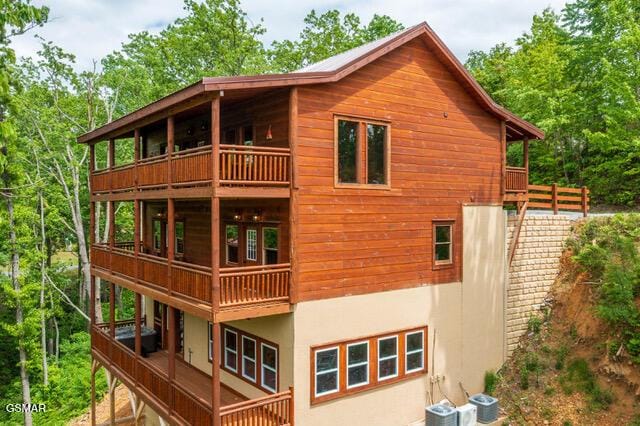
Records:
x=585, y=204
x=215, y=260
x=94, y=368
x=554, y=198
x=525, y=157
x=292, y=410
x=170, y=148
x=111, y=205
x=171, y=230
x=171, y=368
x=92, y=302
x=138, y=325
x=112, y=311
x=503, y=157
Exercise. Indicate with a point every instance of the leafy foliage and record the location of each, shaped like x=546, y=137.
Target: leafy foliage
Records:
x=576, y=75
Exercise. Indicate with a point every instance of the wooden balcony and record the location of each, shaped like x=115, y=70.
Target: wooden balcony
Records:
x=186, y=399
x=238, y=166
x=244, y=292
x=516, y=180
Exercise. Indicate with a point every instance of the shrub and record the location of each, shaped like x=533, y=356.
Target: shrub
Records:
x=534, y=324
x=579, y=377
x=490, y=382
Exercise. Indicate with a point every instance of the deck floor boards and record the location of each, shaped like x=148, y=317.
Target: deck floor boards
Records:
x=194, y=380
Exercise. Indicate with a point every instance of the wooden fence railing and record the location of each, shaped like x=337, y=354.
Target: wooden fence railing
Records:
x=191, y=280
x=193, y=411
x=516, y=179
x=553, y=197
x=192, y=166
x=245, y=285
x=272, y=410
x=254, y=165
x=152, y=172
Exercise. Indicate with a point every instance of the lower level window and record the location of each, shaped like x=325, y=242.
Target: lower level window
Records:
x=387, y=357
x=356, y=365
x=326, y=372
x=269, y=367
x=250, y=358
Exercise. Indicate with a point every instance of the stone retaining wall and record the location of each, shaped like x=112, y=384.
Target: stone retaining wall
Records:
x=534, y=269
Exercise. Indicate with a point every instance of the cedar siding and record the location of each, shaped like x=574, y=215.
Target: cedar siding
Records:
x=354, y=241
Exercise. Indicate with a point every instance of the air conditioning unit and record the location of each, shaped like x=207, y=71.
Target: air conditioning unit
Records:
x=440, y=415
x=467, y=415
x=487, y=407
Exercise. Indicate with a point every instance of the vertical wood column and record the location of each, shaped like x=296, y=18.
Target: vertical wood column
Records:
x=111, y=154
x=215, y=260
x=136, y=234
x=215, y=375
x=92, y=303
x=136, y=156
x=112, y=223
x=171, y=370
x=293, y=194
x=585, y=204
x=92, y=165
x=525, y=160
x=112, y=310
x=92, y=223
x=170, y=147
x=138, y=325
x=503, y=157
x=554, y=198
x=171, y=231
x=215, y=140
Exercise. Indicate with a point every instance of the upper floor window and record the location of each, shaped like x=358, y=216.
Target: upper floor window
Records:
x=270, y=245
x=443, y=243
x=362, y=152
x=231, y=232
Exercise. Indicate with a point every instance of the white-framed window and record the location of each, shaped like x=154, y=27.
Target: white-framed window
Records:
x=327, y=373
x=252, y=244
x=231, y=350
x=210, y=341
x=249, y=358
x=414, y=351
x=357, y=364
x=269, y=365
x=387, y=357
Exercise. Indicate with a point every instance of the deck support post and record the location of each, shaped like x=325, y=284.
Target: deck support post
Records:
x=94, y=368
x=170, y=148
x=171, y=373
x=525, y=159
x=138, y=324
x=113, y=383
x=215, y=261
x=112, y=311
x=171, y=240
x=583, y=199
x=554, y=198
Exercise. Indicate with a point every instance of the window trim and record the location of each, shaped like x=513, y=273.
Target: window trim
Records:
x=361, y=153
x=263, y=366
x=442, y=264
x=366, y=363
x=407, y=352
x=239, y=358
x=226, y=366
x=373, y=382
x=254, y=359
x=315, y=371
x=396, y=356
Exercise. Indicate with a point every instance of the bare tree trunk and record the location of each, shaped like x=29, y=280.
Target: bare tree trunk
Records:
x=43, y=320
x=15, y=271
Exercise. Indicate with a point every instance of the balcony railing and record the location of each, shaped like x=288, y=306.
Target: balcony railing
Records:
x=516, y=179
x=238, y=165
x=252, y=165
x=272, y=410
x=179, y=397
x=242, y=286
x=254, y=284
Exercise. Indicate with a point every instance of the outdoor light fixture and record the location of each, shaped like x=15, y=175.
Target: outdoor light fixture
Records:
x=256, y=216
x=238, y=216
x=269, y=135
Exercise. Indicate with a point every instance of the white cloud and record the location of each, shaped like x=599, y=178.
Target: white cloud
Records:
x=92, y=28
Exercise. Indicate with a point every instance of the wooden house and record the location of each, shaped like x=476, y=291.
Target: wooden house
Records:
x=333, y=236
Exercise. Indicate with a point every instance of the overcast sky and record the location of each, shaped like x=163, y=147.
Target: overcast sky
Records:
x=92, y=28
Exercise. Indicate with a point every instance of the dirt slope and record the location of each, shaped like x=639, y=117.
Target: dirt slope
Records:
x=567, y=371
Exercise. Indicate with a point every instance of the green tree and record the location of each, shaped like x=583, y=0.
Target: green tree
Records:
x=327, y=35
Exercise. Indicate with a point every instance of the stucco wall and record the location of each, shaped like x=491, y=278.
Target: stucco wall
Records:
x=466, y=319
x=534, y=269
